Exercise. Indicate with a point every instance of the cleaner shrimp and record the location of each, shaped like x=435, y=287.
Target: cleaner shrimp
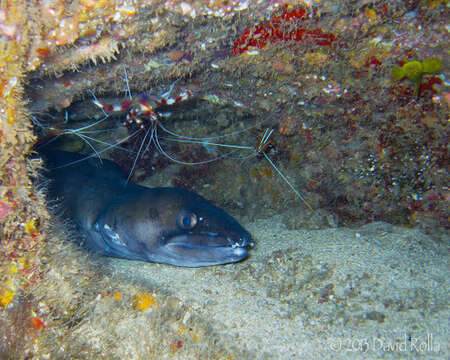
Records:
x=143, y=117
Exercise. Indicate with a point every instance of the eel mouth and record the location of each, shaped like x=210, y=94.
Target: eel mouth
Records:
x=204, y=249
x=187, y=249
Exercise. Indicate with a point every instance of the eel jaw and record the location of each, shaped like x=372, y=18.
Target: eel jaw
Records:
x=201, y=249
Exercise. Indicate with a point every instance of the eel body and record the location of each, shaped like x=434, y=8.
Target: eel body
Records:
x=125, y=220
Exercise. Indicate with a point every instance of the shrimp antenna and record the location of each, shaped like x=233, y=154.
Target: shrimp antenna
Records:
x=127, y=83
x=261, y=148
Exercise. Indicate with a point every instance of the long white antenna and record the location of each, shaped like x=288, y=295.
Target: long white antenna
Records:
x=287, y=181
x=128, y=85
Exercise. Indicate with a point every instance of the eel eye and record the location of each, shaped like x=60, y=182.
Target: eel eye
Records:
x=187, y=220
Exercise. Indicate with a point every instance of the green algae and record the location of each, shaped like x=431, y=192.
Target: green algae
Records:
x=415, y=70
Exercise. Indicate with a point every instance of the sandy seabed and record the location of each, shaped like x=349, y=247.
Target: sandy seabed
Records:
x=379, y=291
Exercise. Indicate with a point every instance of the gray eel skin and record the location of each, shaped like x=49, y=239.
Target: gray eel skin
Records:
x=125, y=220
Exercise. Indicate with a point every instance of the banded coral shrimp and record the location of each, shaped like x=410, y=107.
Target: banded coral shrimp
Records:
x=144, y=118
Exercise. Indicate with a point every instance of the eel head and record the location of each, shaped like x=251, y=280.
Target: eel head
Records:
x=172, y=226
